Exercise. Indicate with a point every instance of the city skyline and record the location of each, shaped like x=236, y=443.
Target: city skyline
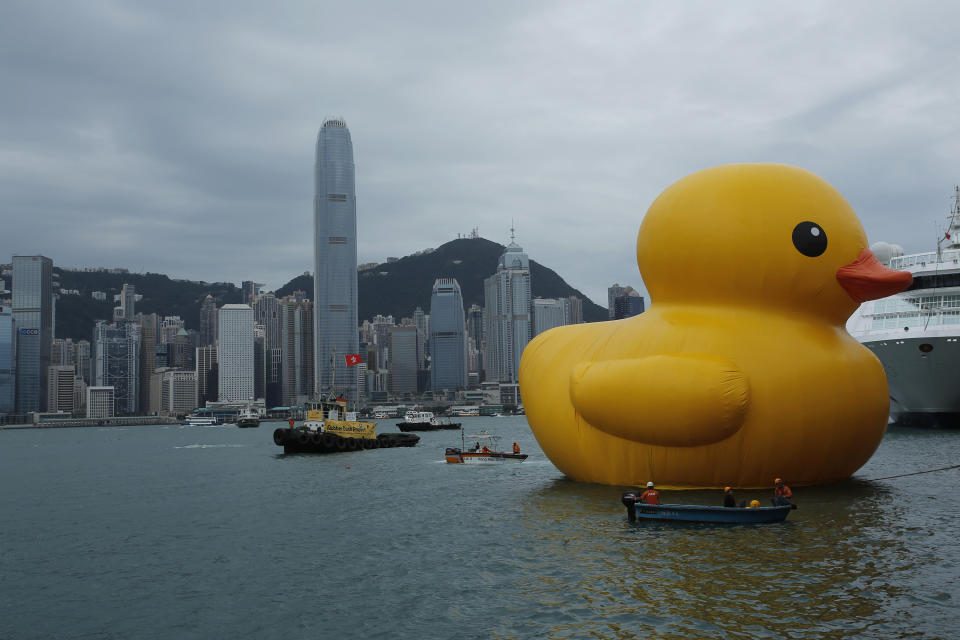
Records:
x=169, y=170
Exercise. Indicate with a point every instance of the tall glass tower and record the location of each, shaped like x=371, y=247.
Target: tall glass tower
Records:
x=448, y=347
x=507, y=300
x=335, y=261
x=33, y=319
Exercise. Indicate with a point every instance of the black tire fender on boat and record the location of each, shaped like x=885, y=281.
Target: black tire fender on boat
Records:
x=329, y=441
x=303, y=437
x=316, y=438
x=342, y=443
x=279, y=437
x=374, y=443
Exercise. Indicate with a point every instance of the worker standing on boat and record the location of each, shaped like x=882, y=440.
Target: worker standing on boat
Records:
x=516, y=448
x=650, y=496
x=781, y=494
x=728, y=499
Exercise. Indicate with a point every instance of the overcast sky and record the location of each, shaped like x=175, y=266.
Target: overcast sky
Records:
x=179, y=137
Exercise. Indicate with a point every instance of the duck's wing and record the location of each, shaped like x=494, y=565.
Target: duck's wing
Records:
x=667, y=400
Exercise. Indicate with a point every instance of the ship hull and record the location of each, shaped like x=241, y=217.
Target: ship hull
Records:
x=924, y=379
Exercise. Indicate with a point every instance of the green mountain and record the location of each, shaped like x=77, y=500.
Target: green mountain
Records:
x=397, y=288
x=393, y=288
x=76, y=314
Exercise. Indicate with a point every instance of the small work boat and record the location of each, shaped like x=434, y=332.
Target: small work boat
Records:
x=485, y=454
x=425, y=421
x=637, y=510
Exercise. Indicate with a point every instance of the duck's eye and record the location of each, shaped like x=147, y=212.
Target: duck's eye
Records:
x=809, y=239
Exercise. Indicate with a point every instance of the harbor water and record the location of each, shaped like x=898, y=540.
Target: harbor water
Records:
x=211, y=532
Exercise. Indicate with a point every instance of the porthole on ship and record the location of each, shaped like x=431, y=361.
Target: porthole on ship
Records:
x=926, y=347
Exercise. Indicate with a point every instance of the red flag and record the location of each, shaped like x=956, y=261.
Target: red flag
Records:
x=352, y=359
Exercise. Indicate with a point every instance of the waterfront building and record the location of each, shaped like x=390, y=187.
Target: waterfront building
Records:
x=206, y=370
x=178, y=392
x=208, y=322
x=475, y=341
x=381, y=338
x=298, y=342
x=448, y=348
x=7, y=361
x=60, y=382
x=335, y=259
x=235, y=353
x=628, y=304
x=116, y=363
x=613, y=291
x=507, y=304
x=403, y=359
x=100, y=402
x=549, y=313
x=33, y=318
x=181, y=354
x=259, y=362
x=79, y=396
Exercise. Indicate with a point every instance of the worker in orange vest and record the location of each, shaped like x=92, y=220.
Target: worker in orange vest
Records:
x=516, y=448
x=291, y=423
x=781, y=494
x=650, y=496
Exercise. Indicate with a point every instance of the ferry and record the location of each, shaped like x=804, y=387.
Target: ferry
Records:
x=465, y=412
x=248, y=418
x=916, y=334
x=425, y=421
x=201, y=421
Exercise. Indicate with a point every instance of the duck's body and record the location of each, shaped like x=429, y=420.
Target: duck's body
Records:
x=733, y=376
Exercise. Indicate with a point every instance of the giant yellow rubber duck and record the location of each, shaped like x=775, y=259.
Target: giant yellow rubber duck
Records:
x=741, y=370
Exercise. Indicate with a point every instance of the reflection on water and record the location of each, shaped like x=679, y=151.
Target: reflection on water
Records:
x=838, y=567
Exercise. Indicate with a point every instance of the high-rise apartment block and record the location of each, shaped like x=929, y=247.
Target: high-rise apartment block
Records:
x=33, y=318
x=235, y=353
x=613, y=291
x=335, y=255
x=7, y=362
x=507, y=303
x=206, y=370
x=448, y=348
x=628, y=304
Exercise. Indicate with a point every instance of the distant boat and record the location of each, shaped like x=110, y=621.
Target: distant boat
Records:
x=425, y=421
x=248, y=418
x=201, y=421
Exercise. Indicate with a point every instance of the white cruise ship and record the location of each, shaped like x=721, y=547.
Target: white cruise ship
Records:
x=916, y=334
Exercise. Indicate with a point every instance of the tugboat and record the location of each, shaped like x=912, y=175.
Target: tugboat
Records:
x=329, y=428
x=248, y=418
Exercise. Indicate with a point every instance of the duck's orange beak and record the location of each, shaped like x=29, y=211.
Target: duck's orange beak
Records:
x=866, y=279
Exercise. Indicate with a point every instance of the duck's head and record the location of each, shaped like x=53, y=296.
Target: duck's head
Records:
x=768, y=235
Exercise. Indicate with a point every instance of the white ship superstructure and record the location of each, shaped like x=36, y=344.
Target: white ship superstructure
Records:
x=916, y=334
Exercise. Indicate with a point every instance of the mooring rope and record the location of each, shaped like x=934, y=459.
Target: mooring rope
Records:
x=917, y=473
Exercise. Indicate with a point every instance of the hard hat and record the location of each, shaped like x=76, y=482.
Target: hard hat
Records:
x=777, y=481
x=754, y=504
x=725, y=489
x=650, y=485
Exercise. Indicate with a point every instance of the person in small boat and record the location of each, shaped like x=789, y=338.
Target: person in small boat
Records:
x=781, y=494
x=476, y=447
x=754, y=504
x=516, y=448
x=728, y=499
x=650, y=496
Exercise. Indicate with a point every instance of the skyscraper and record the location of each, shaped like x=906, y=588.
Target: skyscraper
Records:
x=235, y=353
x=298, y=372
x=208, y=322
x=33, y=318
x=613, y=291
x=116, y=363
x=335, y=260
x=507, y=304
x=7, y=363
x=403, y=359
x=448, y=348
x=549, y=313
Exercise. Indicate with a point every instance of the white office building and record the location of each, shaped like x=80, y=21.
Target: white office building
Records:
x=235, y=352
